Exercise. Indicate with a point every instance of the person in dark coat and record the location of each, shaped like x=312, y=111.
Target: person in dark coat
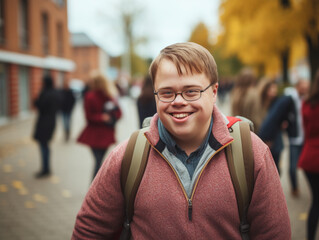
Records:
x=273, y=125
x=68, y=101
x=146, y=104
x=47, y=104
x=101, y=112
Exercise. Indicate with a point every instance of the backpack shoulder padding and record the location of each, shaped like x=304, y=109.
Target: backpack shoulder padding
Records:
x=132, y=169
x=240, y=160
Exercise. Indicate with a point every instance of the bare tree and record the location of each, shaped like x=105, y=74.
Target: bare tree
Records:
x=129, y=12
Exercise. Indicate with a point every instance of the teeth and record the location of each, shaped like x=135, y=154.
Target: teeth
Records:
x=180, y=115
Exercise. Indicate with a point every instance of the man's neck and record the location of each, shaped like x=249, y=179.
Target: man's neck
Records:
x=190, y=145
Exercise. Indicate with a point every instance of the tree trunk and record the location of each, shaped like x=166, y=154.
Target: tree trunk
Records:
x=285, y=64
x=260, y=70
x=313, y=55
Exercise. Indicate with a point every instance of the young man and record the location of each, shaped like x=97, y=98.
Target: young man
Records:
x=186, y=191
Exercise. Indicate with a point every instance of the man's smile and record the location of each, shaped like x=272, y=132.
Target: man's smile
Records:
x=180, y=115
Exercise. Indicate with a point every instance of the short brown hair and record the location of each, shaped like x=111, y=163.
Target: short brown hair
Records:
x=189, y=57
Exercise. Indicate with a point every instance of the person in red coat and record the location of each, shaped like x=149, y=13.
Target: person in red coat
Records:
x=101, y=112
x=309, y=159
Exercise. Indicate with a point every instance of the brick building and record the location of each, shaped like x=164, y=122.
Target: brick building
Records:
x=34, y=40
x=88, y=56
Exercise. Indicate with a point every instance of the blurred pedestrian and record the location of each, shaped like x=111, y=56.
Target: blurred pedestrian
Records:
x=295, y=129
x=68, y=101
x=225, y=86
x=102, y=112
x=47, y=104
x=146, y=104
x=266, y=93
x=309, y=158
x=243, y=94
x=275, y=122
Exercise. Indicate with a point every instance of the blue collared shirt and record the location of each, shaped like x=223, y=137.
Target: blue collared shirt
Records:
x=190, y=161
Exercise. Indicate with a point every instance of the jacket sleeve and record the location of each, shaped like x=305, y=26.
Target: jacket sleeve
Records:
x=118, y=111
x=268, y=213
x=102, y=212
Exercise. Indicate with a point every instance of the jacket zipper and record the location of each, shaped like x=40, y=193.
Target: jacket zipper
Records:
x=189, y=200
x=190, y=209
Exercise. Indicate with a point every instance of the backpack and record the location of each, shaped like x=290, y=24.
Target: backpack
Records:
x=240, y=162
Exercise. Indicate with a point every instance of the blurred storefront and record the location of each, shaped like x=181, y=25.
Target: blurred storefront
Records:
x=34, y=41
x=88, y=56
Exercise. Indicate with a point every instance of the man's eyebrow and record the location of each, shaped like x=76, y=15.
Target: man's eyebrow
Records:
x=192, y=86
x=184, y=87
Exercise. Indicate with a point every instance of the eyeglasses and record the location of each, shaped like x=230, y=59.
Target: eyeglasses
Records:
x=189, y=95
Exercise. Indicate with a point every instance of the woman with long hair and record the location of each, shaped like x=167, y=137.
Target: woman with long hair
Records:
x=273, y=111
x=101, y=112
x=267, y=92
x=309, y=160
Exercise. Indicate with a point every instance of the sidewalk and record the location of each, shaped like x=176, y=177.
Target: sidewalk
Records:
x=46, y=209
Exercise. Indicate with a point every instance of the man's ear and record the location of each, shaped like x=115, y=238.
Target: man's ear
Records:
x=215, y=88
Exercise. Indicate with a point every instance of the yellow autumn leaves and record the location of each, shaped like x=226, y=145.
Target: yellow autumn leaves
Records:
x=259, y=31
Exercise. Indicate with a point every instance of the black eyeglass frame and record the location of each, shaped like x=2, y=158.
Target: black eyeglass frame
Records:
x=181, y=93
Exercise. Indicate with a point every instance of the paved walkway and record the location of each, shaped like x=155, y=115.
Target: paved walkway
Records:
x=46, y=209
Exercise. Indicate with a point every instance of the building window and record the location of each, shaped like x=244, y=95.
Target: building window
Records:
x=3, y=91
x=24, y=91
x=23, y=24
x=45, y=33
x=60, y=39
x=2, y=35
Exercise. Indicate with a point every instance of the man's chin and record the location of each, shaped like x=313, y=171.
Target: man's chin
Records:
x=182, y=136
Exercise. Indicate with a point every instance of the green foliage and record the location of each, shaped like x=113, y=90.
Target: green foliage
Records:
x=227, y=65
x=139, y=65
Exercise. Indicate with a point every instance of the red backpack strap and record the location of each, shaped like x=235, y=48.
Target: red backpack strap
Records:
x=232, y=121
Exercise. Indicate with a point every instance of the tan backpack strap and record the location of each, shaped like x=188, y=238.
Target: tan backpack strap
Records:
x=248, y=157
x=132, y=170
x=240, y=161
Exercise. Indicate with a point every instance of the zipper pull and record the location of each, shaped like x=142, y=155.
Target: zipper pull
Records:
x=190, y=209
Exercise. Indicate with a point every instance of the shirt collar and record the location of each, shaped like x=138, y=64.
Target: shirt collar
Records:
x=170, y=143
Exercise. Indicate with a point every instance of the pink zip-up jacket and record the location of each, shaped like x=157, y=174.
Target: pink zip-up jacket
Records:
x=162, y=206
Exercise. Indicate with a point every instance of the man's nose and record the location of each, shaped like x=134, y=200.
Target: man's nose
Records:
x=179, y=98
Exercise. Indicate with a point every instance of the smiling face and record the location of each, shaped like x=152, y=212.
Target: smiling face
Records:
x=187, y=122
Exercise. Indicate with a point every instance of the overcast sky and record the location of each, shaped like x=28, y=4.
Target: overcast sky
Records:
x=163, y=22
